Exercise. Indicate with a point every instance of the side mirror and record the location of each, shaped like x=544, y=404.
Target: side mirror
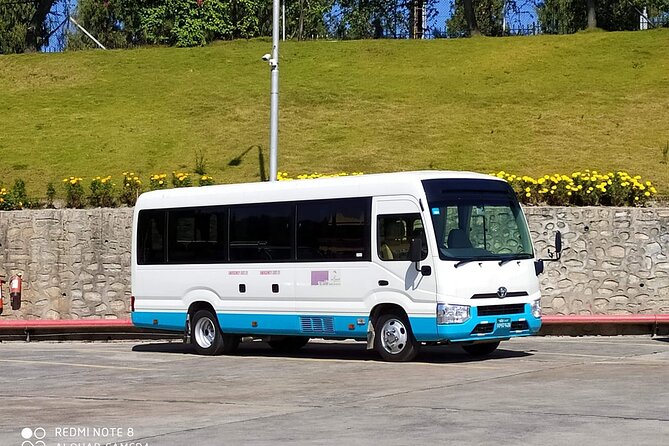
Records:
x=558, y=243
x=416, y=250
x=539, y=266
x=416, y=255
x=553, y=256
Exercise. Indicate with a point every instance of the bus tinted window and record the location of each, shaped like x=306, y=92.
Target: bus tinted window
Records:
x=197, y=235
x=261, y=233
x=151, y=238
x=333, y=229
x=395, y=233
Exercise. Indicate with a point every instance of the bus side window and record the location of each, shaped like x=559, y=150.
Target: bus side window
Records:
x=261, y=233
x=395, y=233
x=197, y=235
x=151, y=238
x=335, y=230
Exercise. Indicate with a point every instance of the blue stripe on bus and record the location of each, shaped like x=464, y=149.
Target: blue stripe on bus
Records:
x=171, y=321
x=425, y=329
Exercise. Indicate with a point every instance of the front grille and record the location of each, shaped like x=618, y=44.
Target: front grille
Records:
x=519, y=325
x=494, y=310
x=495, y=296
x=483, y=328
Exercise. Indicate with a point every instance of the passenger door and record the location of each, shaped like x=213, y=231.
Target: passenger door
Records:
x=397, y=221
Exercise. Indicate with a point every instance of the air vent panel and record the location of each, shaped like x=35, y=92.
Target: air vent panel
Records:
x=317, y=324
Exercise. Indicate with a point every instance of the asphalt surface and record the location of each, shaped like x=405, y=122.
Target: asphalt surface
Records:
x=536, y=391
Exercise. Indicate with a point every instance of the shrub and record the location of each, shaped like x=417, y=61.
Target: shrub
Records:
x=284, y=176
x=4, y=204
x=132, y=187
x=200, y=163
x=181, y=179
x=587, y=188
x=74, y=192
x=205, y=180
x=16, y=197
x=50, y=195
x=102, y=192
x=158, y=181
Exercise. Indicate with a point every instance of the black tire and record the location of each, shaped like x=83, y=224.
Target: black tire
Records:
x=398, y=343
x=207, y=338
x=289, y=344
x=482, y=349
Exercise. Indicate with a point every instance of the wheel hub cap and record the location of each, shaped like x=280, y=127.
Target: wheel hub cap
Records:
x=393, y=336
x=205, y=332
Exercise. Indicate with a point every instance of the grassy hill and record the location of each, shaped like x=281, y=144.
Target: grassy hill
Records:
x=530, y=105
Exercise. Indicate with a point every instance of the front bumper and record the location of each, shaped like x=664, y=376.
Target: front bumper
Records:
x=490, y=327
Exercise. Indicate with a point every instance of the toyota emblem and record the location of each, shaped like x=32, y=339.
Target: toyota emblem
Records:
x=501, y=292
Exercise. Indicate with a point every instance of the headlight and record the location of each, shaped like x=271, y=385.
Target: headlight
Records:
x=452, y=314
x=536, y=308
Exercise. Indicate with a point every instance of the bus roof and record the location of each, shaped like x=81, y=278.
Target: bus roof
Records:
x=398, y=183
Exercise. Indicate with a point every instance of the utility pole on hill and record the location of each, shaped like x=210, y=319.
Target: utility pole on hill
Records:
x=273, y=60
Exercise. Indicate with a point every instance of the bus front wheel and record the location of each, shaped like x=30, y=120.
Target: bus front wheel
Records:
x=207, y=337
x=393, y=338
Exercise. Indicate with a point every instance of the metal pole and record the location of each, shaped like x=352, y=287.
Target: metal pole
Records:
x=274, y=94
x=283, y=21
x=87, y=33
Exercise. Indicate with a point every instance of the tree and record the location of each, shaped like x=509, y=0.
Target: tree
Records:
x=23, y=25
x=122, y=23
x=568, y=16
x=485, y=17
x=107, y=21
x=592, y=14
x=14, y=20
x=37, y=34
x=470, y=16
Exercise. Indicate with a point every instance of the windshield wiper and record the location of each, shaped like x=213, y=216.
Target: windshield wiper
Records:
x=473, y=259
x=490, y=259
x=511, y=259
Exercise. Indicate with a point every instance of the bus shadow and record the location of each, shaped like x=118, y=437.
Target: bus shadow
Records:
x=446, y=354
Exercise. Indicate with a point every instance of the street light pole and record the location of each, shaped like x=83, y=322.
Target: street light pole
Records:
x=274, y=94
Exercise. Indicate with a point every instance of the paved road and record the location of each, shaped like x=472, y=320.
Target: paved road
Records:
x=552, y=391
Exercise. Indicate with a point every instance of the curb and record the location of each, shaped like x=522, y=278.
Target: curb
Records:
x=88, y=329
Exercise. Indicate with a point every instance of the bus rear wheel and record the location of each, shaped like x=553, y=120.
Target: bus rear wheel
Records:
x=483, y=349
x=289, y=344
x=393, y=339
x=207, y=338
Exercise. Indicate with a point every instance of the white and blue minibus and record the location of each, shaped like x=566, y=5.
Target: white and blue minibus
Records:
x=398, y=260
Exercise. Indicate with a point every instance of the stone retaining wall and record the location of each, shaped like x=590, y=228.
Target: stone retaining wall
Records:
x=76, y=263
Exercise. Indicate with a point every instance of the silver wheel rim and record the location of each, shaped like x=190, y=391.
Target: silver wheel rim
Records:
x=205, y=332
x=394, y=336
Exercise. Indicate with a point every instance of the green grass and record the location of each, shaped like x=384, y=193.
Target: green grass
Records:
x=530, y=105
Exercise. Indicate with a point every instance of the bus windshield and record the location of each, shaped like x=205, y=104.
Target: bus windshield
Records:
x=477, y=220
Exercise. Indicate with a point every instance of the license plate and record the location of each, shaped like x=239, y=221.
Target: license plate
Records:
x=504, y=323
